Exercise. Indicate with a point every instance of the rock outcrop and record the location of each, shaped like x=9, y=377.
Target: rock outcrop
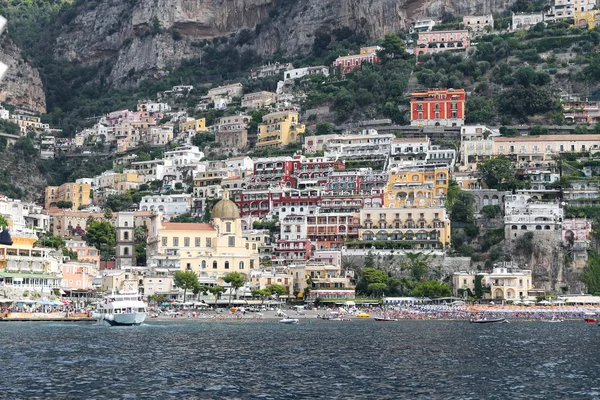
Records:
x=22, y=85
x=142, y=38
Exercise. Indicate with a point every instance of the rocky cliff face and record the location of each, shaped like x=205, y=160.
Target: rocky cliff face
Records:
x=22, y=85
x=147, y=36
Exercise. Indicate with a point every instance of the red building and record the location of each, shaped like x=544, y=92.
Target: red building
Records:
x=347, y=63
x=313, y=171
x=438, y=107
x=258, y=203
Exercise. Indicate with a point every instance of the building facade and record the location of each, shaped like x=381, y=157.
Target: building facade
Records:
x=438, y=107
x=279, y=129
x=438, y=41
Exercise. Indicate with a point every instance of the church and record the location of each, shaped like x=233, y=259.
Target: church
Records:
x=211, y=250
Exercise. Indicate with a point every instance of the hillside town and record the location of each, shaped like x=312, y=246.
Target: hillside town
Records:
x=491, y=213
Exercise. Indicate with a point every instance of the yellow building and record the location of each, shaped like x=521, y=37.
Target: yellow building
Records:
x=191, y=124
x=77, y=193
x=505, y=282
x=419, y=187
x=586, y=19
x=121, y=182
x=410, y=228
x=211, y=250
x=279, y=129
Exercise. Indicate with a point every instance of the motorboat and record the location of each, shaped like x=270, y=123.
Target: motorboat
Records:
x=487, y=321
x=590, y=318
x=289, y=321
x=552, y=320
x=384, y=319
x=123, y=309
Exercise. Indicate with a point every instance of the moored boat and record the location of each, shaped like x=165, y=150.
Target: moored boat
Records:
x=289, y=321
x=487, y=321
x=384, y=319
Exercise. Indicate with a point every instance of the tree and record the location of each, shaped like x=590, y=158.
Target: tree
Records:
x=491, y=211
x=49, y=240
x=216, y=291
x=235, y=280
x=418, y=265
x=262, y=293
x=278, y=290
x=157, y=298
x=64, y=204
x=478, y=286
x=324, y=128
x=480, y=110
x=101, y=235
x=3, y=222
x=498, y=173
x=462, y=209
x=186, y=280
x=186, y=218
x=392, y=46
x=591, y=274
x=432, y=289
x=377, y=289
x=369, y=276
x=141, y=238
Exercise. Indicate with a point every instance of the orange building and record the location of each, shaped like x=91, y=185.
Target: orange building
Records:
x=438, y=107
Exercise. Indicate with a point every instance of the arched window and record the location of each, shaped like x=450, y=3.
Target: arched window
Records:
x=126, y=224
x=126, y=251
x=241, y=265
x=231, y=241
x=214, y=265
x=203, y=264
x=226, y=264
x=125, y=235
x=228, y=227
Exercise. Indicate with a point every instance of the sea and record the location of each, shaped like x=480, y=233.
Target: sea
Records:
x=359, y=359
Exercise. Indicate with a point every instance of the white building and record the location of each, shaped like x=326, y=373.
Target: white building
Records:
x=4, y=114
x=298, y=73
x=150, y=106
x=367, y=145
x=505, y=282
x=170, y=205
x=523, y=214
x=23, y=216
x=421, y=26
x=525, y=20
x=242, y=163
x=149, y=171
x=184, y=155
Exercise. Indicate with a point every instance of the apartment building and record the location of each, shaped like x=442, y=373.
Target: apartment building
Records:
x=279, y=129
x=438, y=41
x=76, y=193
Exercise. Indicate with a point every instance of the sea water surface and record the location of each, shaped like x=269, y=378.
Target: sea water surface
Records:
x=311, y=360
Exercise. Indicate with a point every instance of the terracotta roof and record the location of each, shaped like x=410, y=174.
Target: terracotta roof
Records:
x=548, y=138
x=183, y=226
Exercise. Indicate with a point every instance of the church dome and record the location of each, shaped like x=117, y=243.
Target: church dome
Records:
x=225, y=209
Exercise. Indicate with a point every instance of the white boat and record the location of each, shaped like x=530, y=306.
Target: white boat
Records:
x=289, y=321
x=125, y=308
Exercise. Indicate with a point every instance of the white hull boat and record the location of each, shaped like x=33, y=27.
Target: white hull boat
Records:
x=289, y=321
x=123, y=309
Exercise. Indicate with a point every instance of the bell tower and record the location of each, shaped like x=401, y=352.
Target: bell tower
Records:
x=125, y=243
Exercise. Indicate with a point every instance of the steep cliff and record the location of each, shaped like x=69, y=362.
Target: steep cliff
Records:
x=142, y=38
x=22, y=85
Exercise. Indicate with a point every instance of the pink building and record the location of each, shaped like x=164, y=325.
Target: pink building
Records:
x=348, y=63
x=78, y=275
x=576, y=230
x=436, y=41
